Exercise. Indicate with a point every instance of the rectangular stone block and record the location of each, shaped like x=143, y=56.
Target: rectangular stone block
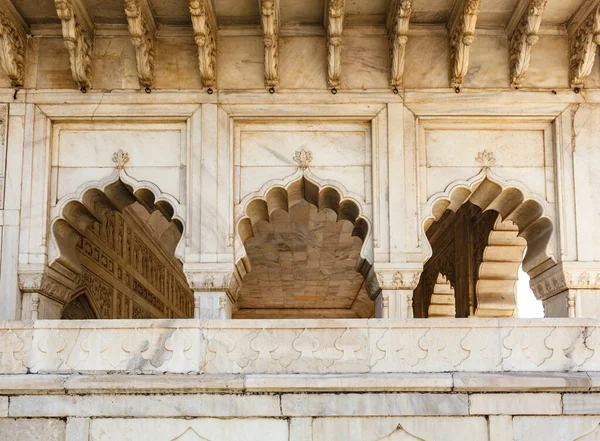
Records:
x=349, y=382
x=33, y=429
x=145, y=405
x=515, y=404
x=78, y=429
x=581, y=404
x=521, y=382
x=556, y=428
x=151, y=429
x=301, y=429
x=32, y=384
x=3, y=407
x=400, y=429
x=373, y=404
x=501, y=428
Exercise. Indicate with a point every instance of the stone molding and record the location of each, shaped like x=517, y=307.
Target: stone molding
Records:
x=142, y=29
x=269, y=15
x=301, y=346
x=398, y=36
x=213, y=278
x=462, y=34
x=48, y=282
x=205, y=28
x=335, y=25
x=523, y=37
x=78, y=33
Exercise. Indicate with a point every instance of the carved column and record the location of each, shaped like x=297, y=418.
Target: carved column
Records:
x=142, y=28
x=78, y=33
x=569, y=289
x=335, y=27
x=398, y=39
x=522, y=38
x=584, y=39
x=392, y=286
x=215, y=287
x=462, y=34
x=205, y=27
x=269, y=14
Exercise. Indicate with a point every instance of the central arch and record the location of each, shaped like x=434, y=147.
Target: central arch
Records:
x=302, y=251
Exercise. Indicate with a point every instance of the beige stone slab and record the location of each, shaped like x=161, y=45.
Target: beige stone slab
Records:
x=515, y=404
x=556, y=428
x=581, y=404
x=595, y=380
x=32, y=429
x=145, y=406
x=521, y=382
x=153, y=383
x=349, y=383
x=373, y=404
x=3, y=407
x=32, y=384
x=500, y=427
x=301, y=429
x=78, y=429
x=210, y=429
x=401, y=429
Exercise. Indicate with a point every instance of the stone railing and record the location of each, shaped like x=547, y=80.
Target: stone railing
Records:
x=300, y=346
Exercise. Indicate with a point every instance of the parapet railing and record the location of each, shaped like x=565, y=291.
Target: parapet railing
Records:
x=300, y=346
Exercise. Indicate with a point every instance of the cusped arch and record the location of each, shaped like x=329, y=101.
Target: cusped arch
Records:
x=512, y=201
x=76, y=212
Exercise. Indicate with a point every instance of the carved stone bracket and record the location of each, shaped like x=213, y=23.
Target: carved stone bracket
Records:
x=142, y=28
x=335, y=27
x=205, y=27
x=584, y=40
x=269, y=14
x=386, y=276
x=398, y=34
x=522, y=39
x=462, y=34
x=13, y=35
x=77, y=29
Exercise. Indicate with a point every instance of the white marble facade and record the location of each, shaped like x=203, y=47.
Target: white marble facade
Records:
x=282, y=161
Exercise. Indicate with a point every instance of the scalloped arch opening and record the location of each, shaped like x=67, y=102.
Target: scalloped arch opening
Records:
x=303, y=244
x=513, y=204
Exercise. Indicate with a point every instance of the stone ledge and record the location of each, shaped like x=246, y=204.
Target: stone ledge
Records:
x=195, y=405
x=398, y=404
x=522, y=382
x=515, y=404
x=83, y=384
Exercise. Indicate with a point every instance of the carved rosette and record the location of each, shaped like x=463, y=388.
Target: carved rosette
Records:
x=522, y=40
x=142, y=38
x=204, y=34
x=12, y=51
x=583, y=48
x=270, y=27
x=78, y=43
x=461, y=38
x=335, y=26
x=398, y=39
